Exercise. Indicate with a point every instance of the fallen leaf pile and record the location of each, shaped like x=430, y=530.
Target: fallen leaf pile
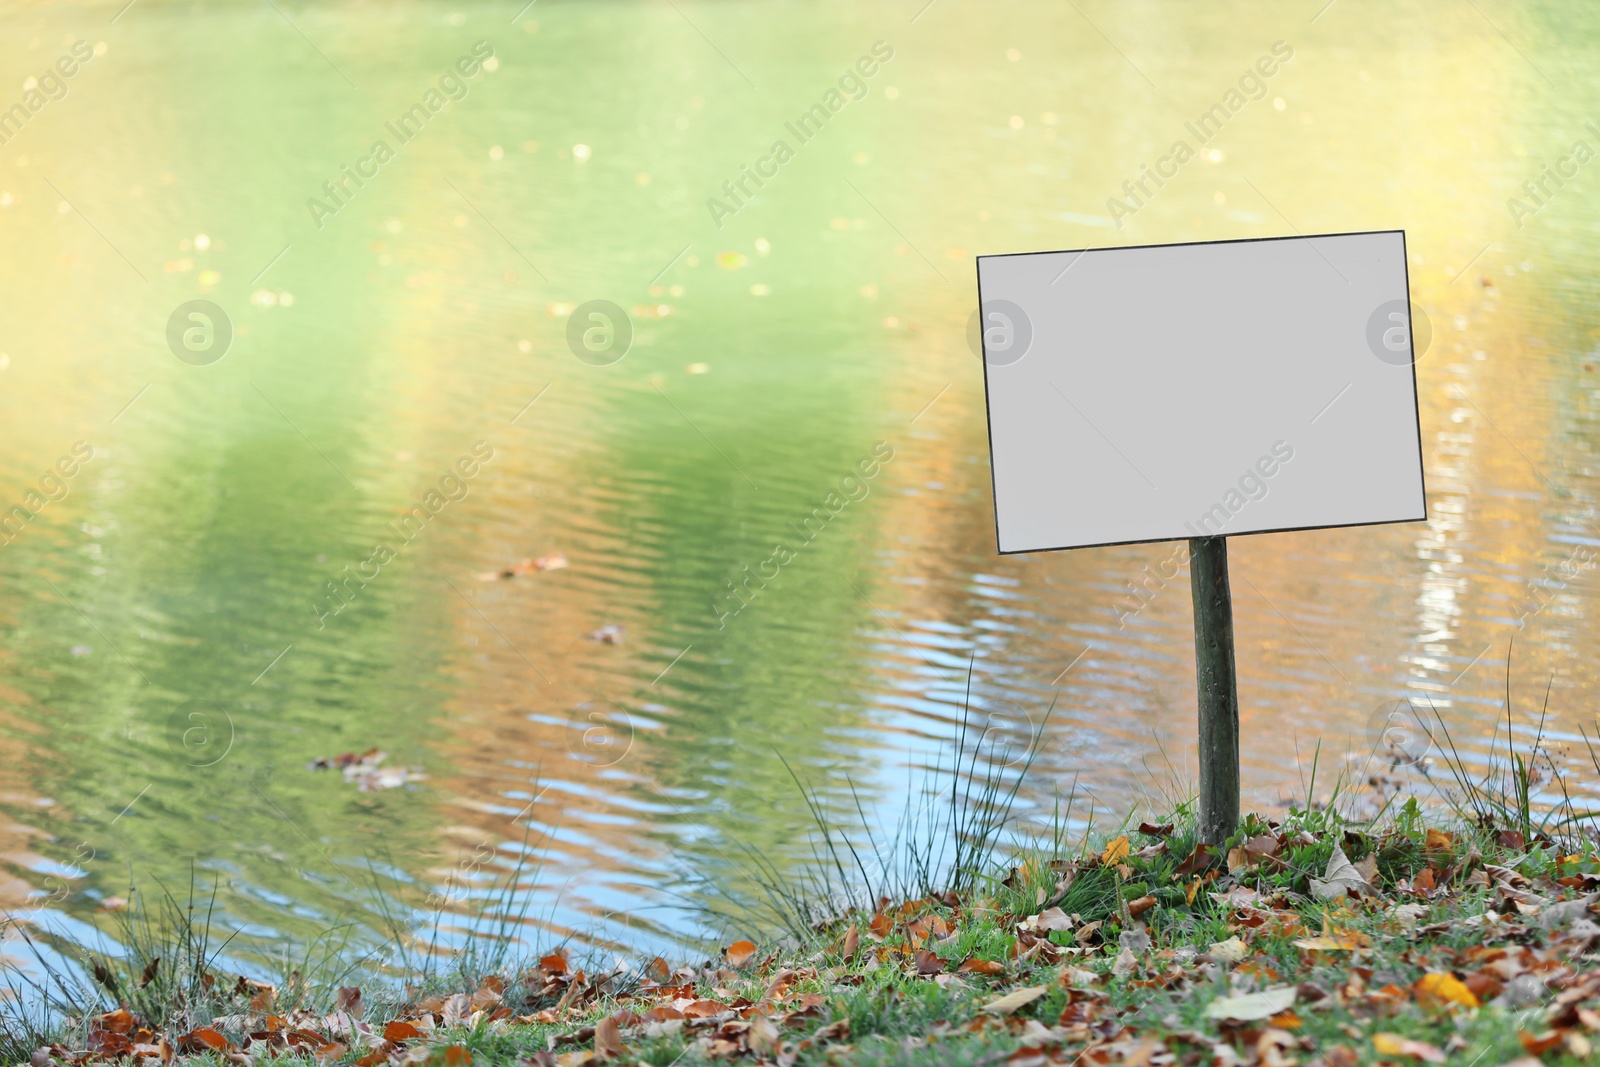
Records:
x=1139, y=953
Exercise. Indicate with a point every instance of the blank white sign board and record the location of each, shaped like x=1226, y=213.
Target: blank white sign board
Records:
x=1173, y=391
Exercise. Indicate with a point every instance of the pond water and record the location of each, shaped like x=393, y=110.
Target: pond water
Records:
x=181, y=632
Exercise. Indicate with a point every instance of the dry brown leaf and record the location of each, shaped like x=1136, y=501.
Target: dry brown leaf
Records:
x=1251, y=1007
x=400, y=1030
x=1015, y=999
x=1538, y=1046
x=348, y=1000
x=663, y=1012
x=1230, y=951
x=117, y=1022
x=852, y=942
x=333, y=1050
x=607, y=1038
x=739, y=953
x=763, y=1037
x=487, y=995
x=1198, y=860
x=982, y=967
x=202, y=1039
x=1340, y=878
x=456, y=1009
x=1263, y=845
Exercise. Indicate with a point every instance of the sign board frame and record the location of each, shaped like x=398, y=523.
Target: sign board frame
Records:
x=1394, y=357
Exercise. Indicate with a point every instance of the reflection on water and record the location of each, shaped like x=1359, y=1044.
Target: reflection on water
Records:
x=279, y=556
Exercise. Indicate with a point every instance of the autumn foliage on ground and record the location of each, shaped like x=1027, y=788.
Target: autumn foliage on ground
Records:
x=1307, y=941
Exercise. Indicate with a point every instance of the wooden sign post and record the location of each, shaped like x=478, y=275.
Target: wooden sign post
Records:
x=1198, y=392
x=1218, y=691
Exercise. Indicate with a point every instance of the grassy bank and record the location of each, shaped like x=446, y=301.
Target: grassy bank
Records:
x=1463, y=931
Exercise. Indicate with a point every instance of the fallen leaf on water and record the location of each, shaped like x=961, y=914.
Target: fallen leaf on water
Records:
x=555, y=561
x=1396, y=1045
x=1250, y=1007
x=366, y=770
x=1015, y=999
